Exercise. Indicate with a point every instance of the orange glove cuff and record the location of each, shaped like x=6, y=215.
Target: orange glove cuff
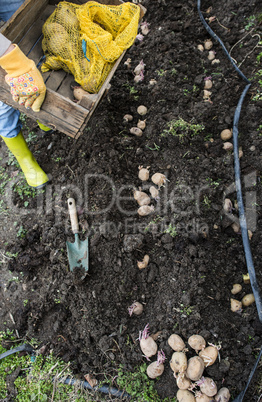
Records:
x=15, y=63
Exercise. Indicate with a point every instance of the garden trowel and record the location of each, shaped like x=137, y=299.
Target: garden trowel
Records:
x=78, y=251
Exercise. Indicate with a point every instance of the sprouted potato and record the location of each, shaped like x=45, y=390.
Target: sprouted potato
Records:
x=182, y=381
x=159, y=179
x=135, y=308
x=156, y=368
x=147, y=343
x=209, y=355
x=178, y=362
x=143, y=173
x=207, y=386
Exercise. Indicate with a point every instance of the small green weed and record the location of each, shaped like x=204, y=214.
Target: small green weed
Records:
x=171, y=230
x=182, y=129
x=186, y=309
x=161, y=72
x=260, y=130
x=132, y=90
x=213, y=183
x=206, y=201
x=21, y=233
x=250, y=22
x=156, y=147
x=153, y=222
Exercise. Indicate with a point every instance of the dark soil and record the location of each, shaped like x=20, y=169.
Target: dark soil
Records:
x=195, y=256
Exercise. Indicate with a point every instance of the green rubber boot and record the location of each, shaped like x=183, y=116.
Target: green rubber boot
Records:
x=34, y=175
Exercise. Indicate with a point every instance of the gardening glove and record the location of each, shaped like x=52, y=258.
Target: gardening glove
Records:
x=26, y=82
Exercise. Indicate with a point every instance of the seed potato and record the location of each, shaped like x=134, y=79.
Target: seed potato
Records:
x=137, y=308
x=154, y=370
x=141, y=198
x=226, y=134
x=236, y=306
x=148, y=346
x=185, y=396
x=228, y=146
x=248, y=300
x=236, y=288
x=195, y=368
x=208, y=84
x=182, y=381
x=223, y=395
x=127, y=117
x=136, y=131
x=176, y=343
x=208, y=386
x=200, y=48
x=209, y=355
x=143, y=173
x=141, y=124
x=159, y=179
x=197, y=342
x=153, y=191
x=142, y=110
x=145, y=210
x=143, y=264
x=203, y=398
x=178, y=362
x=208, y=44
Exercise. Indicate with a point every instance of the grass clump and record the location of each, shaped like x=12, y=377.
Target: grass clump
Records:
x=37, y=376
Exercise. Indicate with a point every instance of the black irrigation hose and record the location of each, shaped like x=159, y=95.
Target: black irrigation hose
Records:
x=21, y=348
x=104, y=388
x=242, y=217
x=240, y=397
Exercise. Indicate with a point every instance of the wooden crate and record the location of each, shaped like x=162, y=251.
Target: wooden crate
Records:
x=58, y=110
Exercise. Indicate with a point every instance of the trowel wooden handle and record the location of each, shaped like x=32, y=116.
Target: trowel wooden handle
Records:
x=73, y=215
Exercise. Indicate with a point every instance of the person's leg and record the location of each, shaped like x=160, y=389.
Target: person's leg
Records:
x=10, y=125
x=10, y=131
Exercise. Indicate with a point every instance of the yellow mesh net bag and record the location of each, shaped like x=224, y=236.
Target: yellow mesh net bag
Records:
x=86, y=39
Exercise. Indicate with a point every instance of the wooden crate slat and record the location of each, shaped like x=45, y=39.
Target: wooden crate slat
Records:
x=33, y=35
x=65, y=88
x=54, y=79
